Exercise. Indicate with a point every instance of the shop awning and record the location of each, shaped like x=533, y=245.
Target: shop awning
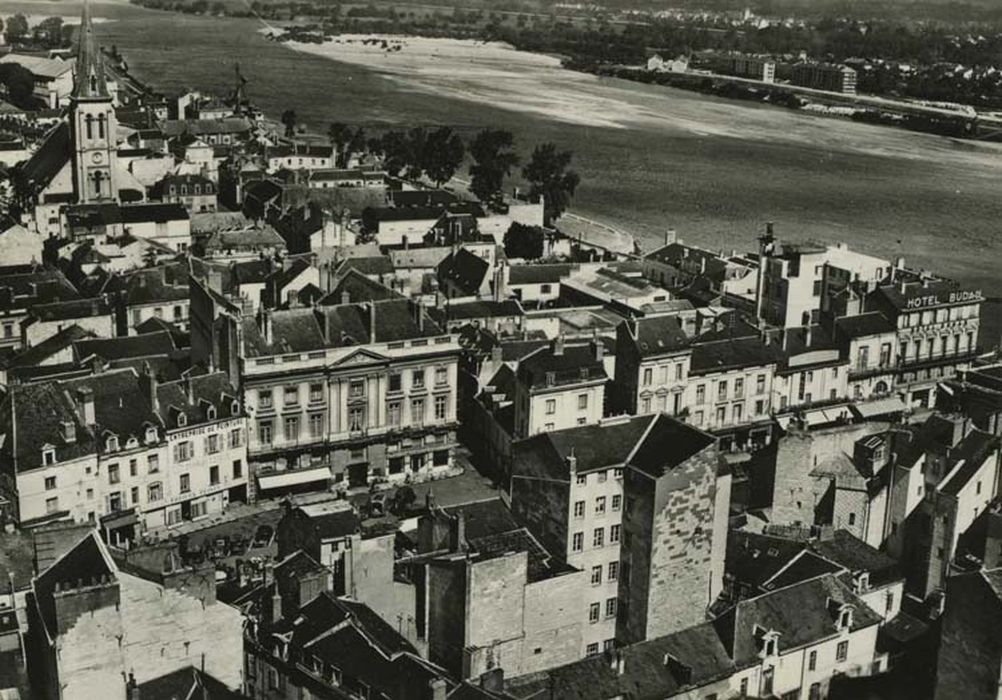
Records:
x=879, y=407
x=293, y=477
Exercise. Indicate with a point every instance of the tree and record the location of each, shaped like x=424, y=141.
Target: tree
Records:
x=356, y=143
x=17, y=28
x=289, y=120
x=442, y=156
x=548, y=175
x=493, y=161
x=417, y=141
x=393, y=146
x=20, y=84
x=339, y=133
x=523, y=241
x=51, y=28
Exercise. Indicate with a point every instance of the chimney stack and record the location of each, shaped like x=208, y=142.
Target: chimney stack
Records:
x=372, y=322
x=782, y=337
x=808, y=336
x=558, y=345
x=598, y=348
x=572, y=461
x=85, y=405
x=345, y=297
x=438, y=688
x=670, y=236
x=148, y=385
x=276, y=605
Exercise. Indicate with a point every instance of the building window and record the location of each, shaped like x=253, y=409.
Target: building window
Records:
x=842, y=651
x=417, y=411
x=744, y=688
x=617, y=502
x=356, y=389
x=596, y=575
x=579, y=509
x=441, y=376
x=211, y=444
x=264, y=432
x=153, y=464
x=316, y=425
x=648, y=376
x=52, y=504
x=582, y=479
x=154, y=492
x=700, y=394
x=238, y=469
x=582, y=402
x=645, y=405
x=591, y=649
x=602, y=476
x=852, y=519
x=235, y=438
x=594, y=612
x=760, y=384
x=185, y=483
x=213, y=475
x=135, y=495
x=356, y=419
x=393, y=413
x=739, y=388
x=290, y=396
x=598, y=537
x=48, y=457
x=417, y=379
x=292, y=428
x=722, y=391
x=812, y=661
x=50, y=483
x=551, y=406
x=614, y=531
x=113, y=476
x=815, y=692
x=610, y=607
x=577, y=542
x=395, y=383
x=613, y=574
x=316, y=393
x=441, y=407
x=600, y=505
x=736, y=412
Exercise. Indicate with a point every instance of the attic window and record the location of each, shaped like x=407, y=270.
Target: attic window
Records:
x=845, y=619
x=151, y=434
x=235, y=408
x=131, y=442
x=770, y=646
x=48, y=456
x=210, y=413
x=182, y=420
x=111, y=444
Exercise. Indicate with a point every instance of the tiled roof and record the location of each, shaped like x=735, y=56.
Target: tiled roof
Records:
x=40, y=66
x=359, y=288
x=160, y=343
x=49, y=347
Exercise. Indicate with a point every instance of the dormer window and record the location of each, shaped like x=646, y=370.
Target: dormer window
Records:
x=151, y=435
x=862, y=582
x=182, y=420
x=769, y=648
x=111, y=443
x=768, y=641
x=210, y=413
x=845, y=618
x=235, y=408
x=48, y=455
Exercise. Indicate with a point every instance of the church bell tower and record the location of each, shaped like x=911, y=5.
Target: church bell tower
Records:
x=92, y=122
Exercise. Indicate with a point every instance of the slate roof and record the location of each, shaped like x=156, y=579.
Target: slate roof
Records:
x=70, y=309
x=359, y=288
x=252, y=271
x=307, y=150
x=185, y=684
x=39, y=411
x=576, y=364
x=806, y=565
x=854, y=554
x=464, y=270
x=939, y=288
x=422, y=198
x=193, y=396
x=658, y=335
x=483, y=309
x=754, y=558
x=119, y=406
x=166, y=283
x=539, y=274
x=40, y=66
x=46, y=162
x=973, y=450
x=86, y=563
x=160, y=343
x=49, y=347
x=39, y=286
x=725, y=354
x=419, y=213
x=159, y=212
x=651, y=444
x=199, y=127
x=799, y=613
x=369, y=265
x=864, y=325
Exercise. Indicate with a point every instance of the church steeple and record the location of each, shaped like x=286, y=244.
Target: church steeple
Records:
x=92, y=122
x=90, y=79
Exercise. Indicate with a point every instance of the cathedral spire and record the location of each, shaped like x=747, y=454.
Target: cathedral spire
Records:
x=90, y=80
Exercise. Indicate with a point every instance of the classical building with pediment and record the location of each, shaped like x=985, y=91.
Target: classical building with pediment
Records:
x=338, y=396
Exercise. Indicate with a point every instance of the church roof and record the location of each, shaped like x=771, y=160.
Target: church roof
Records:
x=49, y=159
x=90, y=78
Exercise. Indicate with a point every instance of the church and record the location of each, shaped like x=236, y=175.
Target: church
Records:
x=76, y=175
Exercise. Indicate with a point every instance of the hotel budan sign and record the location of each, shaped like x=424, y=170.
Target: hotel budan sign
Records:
x=943, y=298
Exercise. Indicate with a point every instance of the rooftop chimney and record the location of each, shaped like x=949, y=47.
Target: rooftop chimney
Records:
x=782, y=337
x=438, y=688
x=808, y=335
x=572, y=461
x=558, y=345
x=372, y=322
x=769, y=228
x=264, y=324
x=69, y=431
x=276, y=605
x=598, y=349
x=345, y=297
x=85, y=405
x=670, y=236
x=148, y=387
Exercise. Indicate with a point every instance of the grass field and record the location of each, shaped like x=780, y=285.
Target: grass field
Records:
x=714, y=170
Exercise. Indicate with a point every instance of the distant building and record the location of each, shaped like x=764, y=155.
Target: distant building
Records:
x=657, y=64
x=299, y=156
x=743, y=66
x=652, y=366
x=53, y=77
x=824, y=76
x=197, y=193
